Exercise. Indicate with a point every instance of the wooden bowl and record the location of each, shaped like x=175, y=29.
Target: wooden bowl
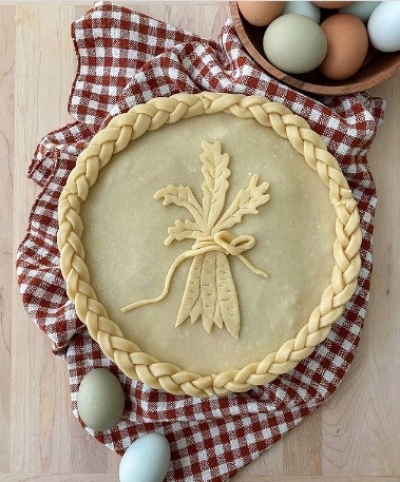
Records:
x=377, y=68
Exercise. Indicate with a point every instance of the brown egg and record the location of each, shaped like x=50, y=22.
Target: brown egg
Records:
x=347, y=46
x=332, y=4
x=260, y=14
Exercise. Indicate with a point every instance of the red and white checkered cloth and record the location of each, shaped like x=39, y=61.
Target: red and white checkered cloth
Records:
x=127, y=58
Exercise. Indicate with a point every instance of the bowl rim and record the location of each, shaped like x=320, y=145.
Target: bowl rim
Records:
x=351, y=87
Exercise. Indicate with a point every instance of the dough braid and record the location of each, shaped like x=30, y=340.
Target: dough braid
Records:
x=151, y=116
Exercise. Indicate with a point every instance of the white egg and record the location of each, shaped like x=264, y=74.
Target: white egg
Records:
x=146, y=460
x=308, y=9
x=361, y=9
x=384, y=26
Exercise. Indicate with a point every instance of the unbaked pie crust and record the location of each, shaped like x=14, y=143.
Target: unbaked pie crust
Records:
x=224, y=225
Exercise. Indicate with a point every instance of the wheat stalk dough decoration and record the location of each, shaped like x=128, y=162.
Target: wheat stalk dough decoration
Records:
x=210, y=291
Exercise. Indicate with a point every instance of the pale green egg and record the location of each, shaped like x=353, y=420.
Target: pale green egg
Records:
x=295, y=44
x=101, y=399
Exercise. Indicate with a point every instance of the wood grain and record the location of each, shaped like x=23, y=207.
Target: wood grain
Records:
x=108, y=478
x=7, y=55
x=354, y=437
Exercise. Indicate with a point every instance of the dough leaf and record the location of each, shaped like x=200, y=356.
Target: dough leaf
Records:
x=246, y=202
x=183, y=197
x=215, y=171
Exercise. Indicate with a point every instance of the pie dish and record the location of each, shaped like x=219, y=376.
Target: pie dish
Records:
x=208, y=242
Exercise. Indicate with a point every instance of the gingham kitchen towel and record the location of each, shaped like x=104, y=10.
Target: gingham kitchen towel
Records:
x=125, y=58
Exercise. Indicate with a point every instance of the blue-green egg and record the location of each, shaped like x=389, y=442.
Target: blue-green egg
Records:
x=308, y=9
x=146, y=460
x=361, y=9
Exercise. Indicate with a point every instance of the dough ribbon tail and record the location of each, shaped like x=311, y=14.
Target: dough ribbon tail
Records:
x=187, y=254
x=255, y=270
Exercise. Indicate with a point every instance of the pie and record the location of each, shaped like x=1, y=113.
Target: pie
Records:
x=208, y=241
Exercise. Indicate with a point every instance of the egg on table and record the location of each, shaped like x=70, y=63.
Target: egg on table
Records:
x=260, y=14
x=294, y=44
x=101, y=399
x=347, y=46
x=384, y=27
x=146, y=460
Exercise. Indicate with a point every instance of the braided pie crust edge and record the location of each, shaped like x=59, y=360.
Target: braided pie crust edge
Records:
x=151, y=116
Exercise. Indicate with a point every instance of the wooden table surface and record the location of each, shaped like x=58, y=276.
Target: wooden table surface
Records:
x=355, y=436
